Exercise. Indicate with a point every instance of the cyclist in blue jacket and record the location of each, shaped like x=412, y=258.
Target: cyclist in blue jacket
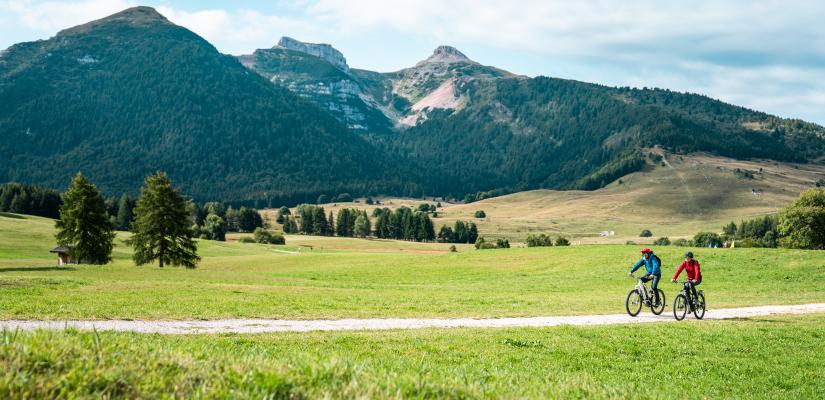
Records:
x=652, y=265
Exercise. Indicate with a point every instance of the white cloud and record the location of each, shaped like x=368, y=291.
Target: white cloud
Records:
x=52, y=16
x=238, y=31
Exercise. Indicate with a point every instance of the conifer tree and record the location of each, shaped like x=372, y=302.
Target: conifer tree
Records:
x=84, y=223
x=162, y=227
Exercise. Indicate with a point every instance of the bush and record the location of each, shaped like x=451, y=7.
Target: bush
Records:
x=707, y=239
x=480, y=214
x=482, y=244
x=246, y=239
x=503, y=244
x=266, y=237
x=630, y=242
x=453, y=249
x=540, y=240
x=682, y=242
x=562, y=241
x=802, y=223
x=662, y=241
x=646, y=233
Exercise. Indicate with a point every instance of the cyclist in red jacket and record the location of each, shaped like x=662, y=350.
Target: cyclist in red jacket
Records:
x=694, y=274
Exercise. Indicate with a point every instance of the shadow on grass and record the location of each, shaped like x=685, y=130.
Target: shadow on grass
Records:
x=35, y=269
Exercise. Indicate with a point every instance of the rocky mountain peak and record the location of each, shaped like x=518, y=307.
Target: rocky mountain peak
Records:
x=321, y=50
x=447, y=54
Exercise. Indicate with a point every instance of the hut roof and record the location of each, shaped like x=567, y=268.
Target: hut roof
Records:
x=62, y=249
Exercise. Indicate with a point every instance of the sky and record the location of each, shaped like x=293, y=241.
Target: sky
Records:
x=766, y=55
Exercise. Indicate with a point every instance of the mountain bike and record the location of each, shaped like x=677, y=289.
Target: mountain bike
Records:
x=641, y=296
x=685, y=303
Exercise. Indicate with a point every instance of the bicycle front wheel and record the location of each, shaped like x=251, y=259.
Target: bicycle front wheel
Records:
x=633, y=304
x=699, y=308
x=658, y=308
x=680, y=307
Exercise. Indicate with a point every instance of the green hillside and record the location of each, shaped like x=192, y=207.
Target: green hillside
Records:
x=124, y=96
x=518, y=134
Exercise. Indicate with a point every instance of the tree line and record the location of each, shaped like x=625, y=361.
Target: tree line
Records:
x=402, y=223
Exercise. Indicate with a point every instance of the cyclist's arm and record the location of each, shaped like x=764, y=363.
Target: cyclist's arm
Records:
x=698, y=271
x=679, y=271
x=637, y=265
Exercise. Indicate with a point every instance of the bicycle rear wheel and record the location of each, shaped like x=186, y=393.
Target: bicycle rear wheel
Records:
x=699, y=307
x=680, y=307
x=633, y=304
x=659, y=307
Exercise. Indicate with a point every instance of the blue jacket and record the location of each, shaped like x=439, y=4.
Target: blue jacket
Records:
x=651, y=265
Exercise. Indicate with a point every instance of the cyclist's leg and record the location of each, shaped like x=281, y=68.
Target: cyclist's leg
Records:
x=693, y=289
x=655, y=286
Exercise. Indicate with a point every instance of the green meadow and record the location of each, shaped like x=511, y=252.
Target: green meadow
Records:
x=330, y=278
x=768, y=357
x=266, y=281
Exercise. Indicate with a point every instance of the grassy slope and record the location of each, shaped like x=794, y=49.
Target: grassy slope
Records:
x=693, y=193
x=771, y=357
x=250, y=280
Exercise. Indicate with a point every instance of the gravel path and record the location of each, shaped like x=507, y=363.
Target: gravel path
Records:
x=271, y=325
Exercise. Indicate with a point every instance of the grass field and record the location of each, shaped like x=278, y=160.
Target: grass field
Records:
x=771, y=358
x=686, y=195
x=261, y=281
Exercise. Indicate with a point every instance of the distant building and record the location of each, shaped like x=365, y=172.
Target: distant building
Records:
x=64, y=256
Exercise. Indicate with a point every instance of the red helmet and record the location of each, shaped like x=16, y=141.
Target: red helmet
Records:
x=646, y=251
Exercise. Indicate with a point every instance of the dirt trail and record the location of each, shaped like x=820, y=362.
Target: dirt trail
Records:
x=269, y=325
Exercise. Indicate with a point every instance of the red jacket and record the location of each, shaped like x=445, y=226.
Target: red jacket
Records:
x=691, y=269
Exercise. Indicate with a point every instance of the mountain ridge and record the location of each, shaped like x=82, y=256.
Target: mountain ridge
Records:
x=122, y=96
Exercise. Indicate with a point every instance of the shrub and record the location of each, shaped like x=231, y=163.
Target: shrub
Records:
x=480, y=214
x=662, y=241
x=482, y=244
x=503, y=244
x=246, y=239
x=802, y=223
x=453, y=249
x=707, y=239
x=682, y=242
x=266, y=237
x=562, y=241
x=630, y=242
x=540, y=240
x=646, y=233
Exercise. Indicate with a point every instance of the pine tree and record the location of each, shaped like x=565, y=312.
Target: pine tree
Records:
x=472, y=233
x=84, y=223
x=319, y=221
x=162, y=226
x=342, y=223
x=124, y=212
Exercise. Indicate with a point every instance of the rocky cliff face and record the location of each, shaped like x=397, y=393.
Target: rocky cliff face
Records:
x=321, y=50
x=367, y=100
x=320, y=74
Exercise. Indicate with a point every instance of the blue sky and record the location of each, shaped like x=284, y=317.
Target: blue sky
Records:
x=766, y=55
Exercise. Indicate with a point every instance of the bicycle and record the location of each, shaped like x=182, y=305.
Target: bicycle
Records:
x=640, y=296
x=684, y=303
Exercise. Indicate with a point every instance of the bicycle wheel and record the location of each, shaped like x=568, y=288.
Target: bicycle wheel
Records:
x=680, y=307
x=660, y=307
x=633, y=304
x=699, y=308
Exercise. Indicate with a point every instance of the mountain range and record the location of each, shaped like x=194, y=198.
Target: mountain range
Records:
x=120, y=97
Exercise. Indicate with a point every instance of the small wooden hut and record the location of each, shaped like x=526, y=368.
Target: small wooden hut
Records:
x=64, y=256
